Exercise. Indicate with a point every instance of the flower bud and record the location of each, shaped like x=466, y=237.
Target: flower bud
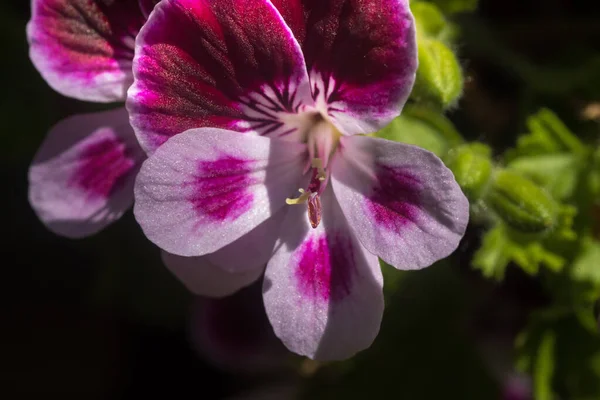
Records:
x=439, y=78
x=472, y=168
x=521, y=204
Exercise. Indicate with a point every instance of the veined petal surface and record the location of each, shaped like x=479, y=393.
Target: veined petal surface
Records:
x=231, y=64
x=361, y=57
x=84, y=48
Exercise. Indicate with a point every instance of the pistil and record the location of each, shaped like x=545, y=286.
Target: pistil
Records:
x=322, y=140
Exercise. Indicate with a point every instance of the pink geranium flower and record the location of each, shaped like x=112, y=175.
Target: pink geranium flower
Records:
x=274, y=99
x=82, y=176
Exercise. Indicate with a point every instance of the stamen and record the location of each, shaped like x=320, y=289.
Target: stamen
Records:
x=303, y=198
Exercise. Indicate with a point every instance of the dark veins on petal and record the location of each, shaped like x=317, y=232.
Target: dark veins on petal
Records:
x=90, y=31
x=215, y=64
x=353, y=43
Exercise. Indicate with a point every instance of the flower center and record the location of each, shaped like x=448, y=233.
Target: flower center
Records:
x=322, y=139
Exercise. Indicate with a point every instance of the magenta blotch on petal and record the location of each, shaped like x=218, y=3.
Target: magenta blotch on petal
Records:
x=221, y=63
x=395, y=200
x=103, y=165
x=324, y=267
x=84, y=48
x=401, y=201
x=82, y=177
x=221, y=188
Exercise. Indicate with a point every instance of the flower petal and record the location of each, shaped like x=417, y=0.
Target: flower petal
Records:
x=234, y=266
x=230, y=64
x=322, y=290
x=84, y=48
x=401, y=201
x=207, y=187
x=361, y=57
x=81, y=178
x=252, y=250
x=203, y=278
x=234, y=333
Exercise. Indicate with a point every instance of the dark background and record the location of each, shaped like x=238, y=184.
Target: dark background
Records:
x=101, y=318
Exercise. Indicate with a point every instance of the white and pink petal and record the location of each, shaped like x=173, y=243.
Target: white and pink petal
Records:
x=401, y=201
x=84, y=48
x=361, y=57
x=81, y=178
x=231, y=64
x=322, y=290
x=207, y=187
x=203, y=278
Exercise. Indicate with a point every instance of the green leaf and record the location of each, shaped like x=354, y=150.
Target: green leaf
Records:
x=558, y=173
x=502, y=245
x=586, y=266
x=544, y=367
x=407, y=129
x=439, y=80
x=547, y=135
x=431, y=23
x=437, y=121
x=422, y=127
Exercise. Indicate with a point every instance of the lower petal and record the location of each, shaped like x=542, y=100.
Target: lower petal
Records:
x=322, y=290
x=203, y=278
x=234, y=333
x=251, y=251
x=401, y=201
x=205, y=188
x=81, y=178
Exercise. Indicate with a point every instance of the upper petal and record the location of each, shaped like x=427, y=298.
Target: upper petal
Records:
x=401, y=201
x=322, y=289
x=361, y=57
x=230, y=64
x=206, y=187
x=84, y=48
x=81, y=178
